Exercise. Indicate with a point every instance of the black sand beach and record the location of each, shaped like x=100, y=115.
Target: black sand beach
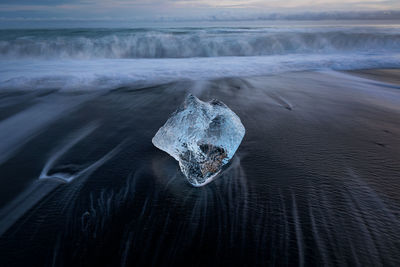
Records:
x=314, y=182
x=384, y=75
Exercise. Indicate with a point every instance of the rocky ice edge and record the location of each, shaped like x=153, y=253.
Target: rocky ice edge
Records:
x=202, y=137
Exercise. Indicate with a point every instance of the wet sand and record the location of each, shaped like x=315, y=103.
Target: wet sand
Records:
x=384, y=75
x=315, y=181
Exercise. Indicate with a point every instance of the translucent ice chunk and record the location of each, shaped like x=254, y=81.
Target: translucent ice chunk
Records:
x=202, y=137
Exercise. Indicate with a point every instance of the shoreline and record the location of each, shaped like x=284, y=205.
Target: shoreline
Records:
x=389, y=75
x=321, y=148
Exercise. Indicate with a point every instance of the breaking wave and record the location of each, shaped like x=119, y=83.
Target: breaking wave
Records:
x=191, y=42
x=93, y=59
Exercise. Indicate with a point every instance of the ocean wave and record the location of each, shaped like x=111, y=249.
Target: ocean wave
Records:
x=187, y=43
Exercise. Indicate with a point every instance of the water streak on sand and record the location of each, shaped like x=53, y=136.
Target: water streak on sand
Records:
x=34, y=120
x=73, y=139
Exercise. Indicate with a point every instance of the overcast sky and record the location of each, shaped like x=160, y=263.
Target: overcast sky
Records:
x=131, y=9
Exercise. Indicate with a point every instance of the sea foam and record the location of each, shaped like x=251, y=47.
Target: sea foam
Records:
x=105, y=74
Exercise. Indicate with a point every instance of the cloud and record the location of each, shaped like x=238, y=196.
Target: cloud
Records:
x=181, y=8
x=37, y=2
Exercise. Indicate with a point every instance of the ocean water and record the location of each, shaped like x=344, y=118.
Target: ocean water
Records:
x=315, y=181
x=107, y=58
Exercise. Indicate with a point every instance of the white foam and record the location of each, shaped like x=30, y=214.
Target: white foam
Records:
x=194, y=42
x=103, y=74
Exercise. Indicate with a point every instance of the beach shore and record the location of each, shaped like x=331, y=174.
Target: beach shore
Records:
x=314, y=182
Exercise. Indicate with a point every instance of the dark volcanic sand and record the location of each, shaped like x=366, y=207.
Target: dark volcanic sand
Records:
x=315, y=181
x=385, y=75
